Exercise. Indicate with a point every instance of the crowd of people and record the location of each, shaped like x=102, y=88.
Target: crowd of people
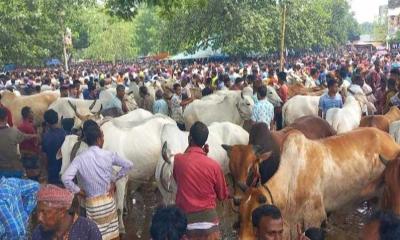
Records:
x=200, y=180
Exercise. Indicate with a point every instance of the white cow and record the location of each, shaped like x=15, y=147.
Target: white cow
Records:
x=176, y=141
x=394, y=130
x=78, y=109
x=347, y=118
x=230, y=106
x=135, y=137
x=299, y=106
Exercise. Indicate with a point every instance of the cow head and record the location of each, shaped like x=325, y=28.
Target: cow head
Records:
x=253, y=198
x=244, y=162
x=273, y=97
x=245, y=107
x=79, y=118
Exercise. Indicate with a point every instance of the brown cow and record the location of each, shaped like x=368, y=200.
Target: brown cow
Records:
x=267, y=145
x=299, y=89
x=316, y=177
x=381, y=122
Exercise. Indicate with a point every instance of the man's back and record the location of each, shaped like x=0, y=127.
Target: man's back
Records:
x=200, y=181
x=9, y=158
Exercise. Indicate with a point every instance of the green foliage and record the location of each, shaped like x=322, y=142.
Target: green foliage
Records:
x=366, y=28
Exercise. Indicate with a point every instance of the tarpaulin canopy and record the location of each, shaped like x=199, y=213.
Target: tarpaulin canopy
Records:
x=202, y=53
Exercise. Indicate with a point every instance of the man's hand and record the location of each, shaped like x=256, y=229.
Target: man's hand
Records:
x=300, y=234
x=112, y=189
x=82, y=194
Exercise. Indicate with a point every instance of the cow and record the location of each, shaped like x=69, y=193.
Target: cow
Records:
x=381, y=122
x=270, y=141
x=77, y=109
x=299, y=106
x=142, y=133
x=316, y=177
x=300, y=89
x=39, y=103
x=176, y=141
x=347, y=118
x=232, y=107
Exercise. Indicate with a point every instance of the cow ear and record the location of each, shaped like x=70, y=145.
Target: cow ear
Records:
x=264, y=156
x=228, y=148
x=164, y=152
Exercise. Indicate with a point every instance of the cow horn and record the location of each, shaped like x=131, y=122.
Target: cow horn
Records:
x=242, y=186
x=98, y=112
x=228, y=148
x=241, y=95
x=383, y=160
x=164, y=153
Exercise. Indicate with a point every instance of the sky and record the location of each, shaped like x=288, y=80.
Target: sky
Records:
x=366, y=10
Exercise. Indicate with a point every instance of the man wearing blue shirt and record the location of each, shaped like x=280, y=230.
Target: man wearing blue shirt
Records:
x=331, y=99
x=263, y=110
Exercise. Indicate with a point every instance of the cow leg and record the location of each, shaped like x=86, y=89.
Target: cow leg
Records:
x=120, y=197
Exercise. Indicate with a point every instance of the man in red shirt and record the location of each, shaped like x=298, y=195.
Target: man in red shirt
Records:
x=200, y=183
x=9, y=116
x=29, y=148
x=283, y=94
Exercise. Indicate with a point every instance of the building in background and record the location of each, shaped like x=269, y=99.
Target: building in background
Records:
x=393, y=13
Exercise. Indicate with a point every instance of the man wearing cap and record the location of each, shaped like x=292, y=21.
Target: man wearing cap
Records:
x=56, y=222
x=17, y=201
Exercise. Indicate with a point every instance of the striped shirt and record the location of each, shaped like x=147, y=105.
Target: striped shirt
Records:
x=94, y=168
x=17, y=201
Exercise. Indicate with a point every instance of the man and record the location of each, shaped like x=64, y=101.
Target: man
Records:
x=238, y=86
x=331, y=99
x=374, y=76
x=10, y=164
x=267, y=223
x=145, y=101
x=208, y=89
x=9, y=115
x=283, y=94
x=160, y=105
x=312, y=80
x=168, y=223
x=322, y=76
x=56, y=222
x=177, y=105
x=263, y=110
x=64, y=91
x=17, y=201
x=29, y=148
x=391, y=86
x=200, y=182
x=51, y=143
x=121, y=97
x=94, y=168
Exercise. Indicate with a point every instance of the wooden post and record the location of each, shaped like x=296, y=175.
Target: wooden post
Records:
x=282, y=47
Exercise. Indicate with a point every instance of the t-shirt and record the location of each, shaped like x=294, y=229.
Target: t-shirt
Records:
x=263, y=111
x=327, y=102
x=29, y=145
x=161, y=106
x=9, y=157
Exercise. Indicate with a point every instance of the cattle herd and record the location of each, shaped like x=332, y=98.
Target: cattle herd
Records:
x=310, y=168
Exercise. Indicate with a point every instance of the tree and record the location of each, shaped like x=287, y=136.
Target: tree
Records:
x=31, y=31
